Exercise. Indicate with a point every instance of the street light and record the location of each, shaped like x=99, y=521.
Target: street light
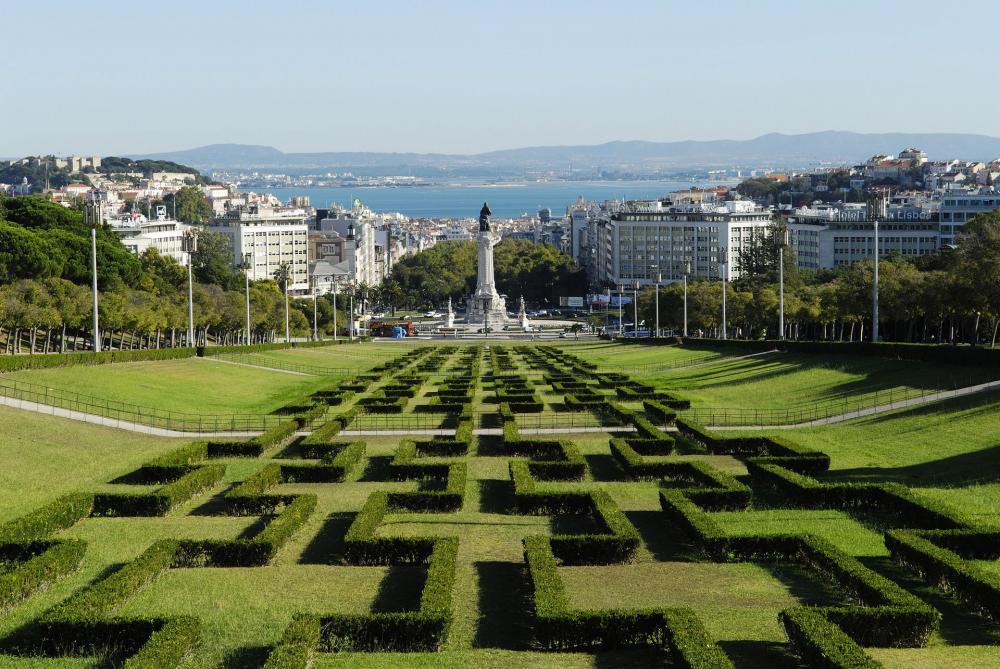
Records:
x=723, y=261
x=313, y=281
x=659, y=277
x=782, y=240
x=621, y=323
x=880, y=205
x=247, y=260
x=93, y=214
x=190, y=246
x=687, y=270
x=333, y=281
x=351, y=330
x=635, y=310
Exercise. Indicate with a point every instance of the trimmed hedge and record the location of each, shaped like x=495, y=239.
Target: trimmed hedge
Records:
x=888, y=615
x=13, y=363
x=889, y=498
x=820, y=643
x=64, y=512
x=773, y=450
x=677, y=631
x=163, y=499
x=946, y=569
x=36, y=565
x=338, y=461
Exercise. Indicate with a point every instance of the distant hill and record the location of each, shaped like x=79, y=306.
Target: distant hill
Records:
x=771, y=149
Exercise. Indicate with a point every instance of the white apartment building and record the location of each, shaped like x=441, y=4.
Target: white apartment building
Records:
x=271, y=236
x=959, y=207
x=363, y=260
x=165, y=235
x=829, y=238
x=656, y=238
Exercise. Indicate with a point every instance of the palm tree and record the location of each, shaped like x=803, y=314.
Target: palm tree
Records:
x=283, y=275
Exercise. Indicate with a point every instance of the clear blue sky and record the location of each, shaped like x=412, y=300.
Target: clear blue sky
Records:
x=130, y=77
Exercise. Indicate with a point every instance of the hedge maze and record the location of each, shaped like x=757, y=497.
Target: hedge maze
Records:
x=435, y=510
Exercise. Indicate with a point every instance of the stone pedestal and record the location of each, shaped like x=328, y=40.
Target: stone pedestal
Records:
x=486, y=305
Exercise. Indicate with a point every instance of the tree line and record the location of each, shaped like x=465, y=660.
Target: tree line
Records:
x=45, y=295
x=541, y=273
x=950, y=297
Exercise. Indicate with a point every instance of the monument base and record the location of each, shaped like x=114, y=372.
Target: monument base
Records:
x=496, y=309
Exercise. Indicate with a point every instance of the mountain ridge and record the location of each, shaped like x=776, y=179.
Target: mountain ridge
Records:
x=771, y=149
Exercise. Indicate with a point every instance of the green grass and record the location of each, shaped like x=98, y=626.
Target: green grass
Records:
x=42, y=457
x=949, y=443
x=238, y=605
x=190, y=385
x=939, y=657
x=947, y=452
x=842, y=530
x=735, y=601
x=779, y=381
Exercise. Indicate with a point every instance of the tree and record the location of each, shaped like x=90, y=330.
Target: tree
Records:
x=190, y=204
x=213, y=263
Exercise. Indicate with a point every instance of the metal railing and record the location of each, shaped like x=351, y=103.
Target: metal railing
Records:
x=890, y=399
x=129, y=413
x=264, y=360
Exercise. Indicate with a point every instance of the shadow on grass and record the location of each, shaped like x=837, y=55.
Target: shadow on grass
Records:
x=248, y=657
x=959, y=626
x=760, y=654
x=327, y=546
x=604, y=467
x=400, y=590
x=506, y=615
x=376, y=469
x=665, y=542
x=965, y=468
x=495, y=496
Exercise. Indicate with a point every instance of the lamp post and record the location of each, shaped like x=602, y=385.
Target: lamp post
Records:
x=687, y=270
x=333, y=280
x=782, y=243
x=723, y=261
x=312, y=281
x=875, y=289
x=621, y=322
x=190, y=246
x=95, y=221
x=351, y=329
x=635, y=310
x=659, y=277
x=247, y=259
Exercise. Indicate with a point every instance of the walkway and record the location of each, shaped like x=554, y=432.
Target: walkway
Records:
x=113, y=422
x=933, y=398
x=246, y=364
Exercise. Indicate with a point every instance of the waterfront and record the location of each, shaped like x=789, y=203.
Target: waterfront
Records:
x=463, y=200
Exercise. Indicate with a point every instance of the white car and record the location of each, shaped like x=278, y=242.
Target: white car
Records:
x=432, y=314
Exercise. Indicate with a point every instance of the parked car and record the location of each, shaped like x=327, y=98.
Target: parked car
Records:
x=432, y=314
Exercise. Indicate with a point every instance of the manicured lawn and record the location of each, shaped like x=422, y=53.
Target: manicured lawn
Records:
x=636, y=359
x=735, y=601
x=839, y=528
x=788, y=381
x=190, y=385
x=946, y=452
x=42, y=457
x=951, y=443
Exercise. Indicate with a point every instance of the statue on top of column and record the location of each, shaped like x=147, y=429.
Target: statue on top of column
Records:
x=484, y=218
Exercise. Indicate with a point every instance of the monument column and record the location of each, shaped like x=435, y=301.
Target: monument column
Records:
x=486, y=305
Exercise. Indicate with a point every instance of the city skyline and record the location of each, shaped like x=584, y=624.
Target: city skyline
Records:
x=452, y=78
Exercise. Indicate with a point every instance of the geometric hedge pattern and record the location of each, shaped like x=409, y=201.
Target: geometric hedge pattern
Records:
x=548, y=477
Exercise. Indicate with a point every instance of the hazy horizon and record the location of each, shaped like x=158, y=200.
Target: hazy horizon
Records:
x=458, y=78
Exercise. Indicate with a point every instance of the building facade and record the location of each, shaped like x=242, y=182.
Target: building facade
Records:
x=271, y=237
x=657, y=239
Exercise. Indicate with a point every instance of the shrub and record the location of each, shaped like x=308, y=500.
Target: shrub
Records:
x=822, y=644
x=57, y=515
x=36, y=565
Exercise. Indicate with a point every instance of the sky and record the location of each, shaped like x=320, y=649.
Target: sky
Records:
x=106, y=78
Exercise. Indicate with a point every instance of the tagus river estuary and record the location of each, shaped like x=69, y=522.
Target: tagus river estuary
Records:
x=462, y=200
